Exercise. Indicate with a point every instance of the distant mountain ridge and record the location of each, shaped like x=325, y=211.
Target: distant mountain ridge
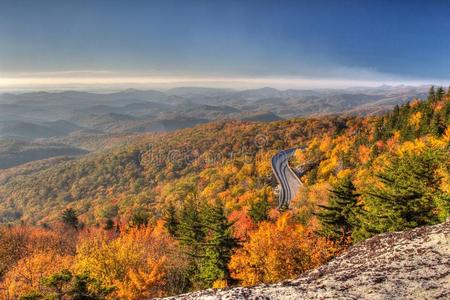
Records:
x=72, y=115
x=36, y=107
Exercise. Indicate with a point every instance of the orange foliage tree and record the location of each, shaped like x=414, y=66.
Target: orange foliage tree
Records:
x=21, y=241
x=277, y=251
x=26, y=276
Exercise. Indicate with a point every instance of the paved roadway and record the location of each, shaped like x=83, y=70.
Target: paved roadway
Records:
x=287, y=179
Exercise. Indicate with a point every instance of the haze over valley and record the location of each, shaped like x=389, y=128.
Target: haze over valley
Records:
x=37, y=125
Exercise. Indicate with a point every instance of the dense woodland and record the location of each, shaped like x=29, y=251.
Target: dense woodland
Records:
x=193, y=209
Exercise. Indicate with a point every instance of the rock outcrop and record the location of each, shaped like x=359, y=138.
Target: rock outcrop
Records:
x=411, y=264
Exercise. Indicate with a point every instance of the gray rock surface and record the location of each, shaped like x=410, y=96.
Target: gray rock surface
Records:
x=411, y=264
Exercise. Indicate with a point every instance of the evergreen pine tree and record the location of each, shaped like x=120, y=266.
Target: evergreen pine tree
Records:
x=440, y=93
x=338, y=218
x=69, y=217
x=437, y=126
x=219, y=245
x=171, y=220
x=191, y=234
x=409, y=195
x=259, y=210
x=312, y=175
x=446, y=113
x=56, y=283
x=139, y=218
x=109, y=224
x=432, y=94
x=427, y=117
x=190, y=228
x=392, y=121
x=65, y=285
x=380, y=131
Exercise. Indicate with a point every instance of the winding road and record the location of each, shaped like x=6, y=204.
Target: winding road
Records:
x=286, y=177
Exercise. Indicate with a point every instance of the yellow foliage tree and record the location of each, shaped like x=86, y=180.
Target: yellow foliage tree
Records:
x=141, y=263
x=326, y=144
x=415, y=119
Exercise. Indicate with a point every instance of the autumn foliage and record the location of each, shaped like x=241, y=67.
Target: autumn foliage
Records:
x=196, y=208
x=279, y=250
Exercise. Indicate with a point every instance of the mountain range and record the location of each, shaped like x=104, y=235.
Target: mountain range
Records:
x=68, y=116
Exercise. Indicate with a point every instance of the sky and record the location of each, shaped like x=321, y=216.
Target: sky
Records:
x=51, y=43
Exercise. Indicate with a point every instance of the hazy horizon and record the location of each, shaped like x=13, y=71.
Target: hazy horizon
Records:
x=113, y=84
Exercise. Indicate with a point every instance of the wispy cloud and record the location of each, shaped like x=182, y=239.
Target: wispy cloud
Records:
x=90, y=79
x=56, y=74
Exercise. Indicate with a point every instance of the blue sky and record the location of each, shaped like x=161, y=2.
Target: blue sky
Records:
x=371, y=40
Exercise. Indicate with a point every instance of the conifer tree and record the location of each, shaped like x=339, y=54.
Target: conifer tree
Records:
x=427, y=117
x=109, y=224
x=190, y=228
x=380, y=131
x=139, y=218
x=339, y=217
x=219, y=245
x=440, y=93
x=432, y=94
x=171, y=220
x=65, y=285
x=408, y=196
x=259, y=210
x=446, y=112
x=393, y=120
x=191, y=234
x=69, y=217
x=437, y=125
